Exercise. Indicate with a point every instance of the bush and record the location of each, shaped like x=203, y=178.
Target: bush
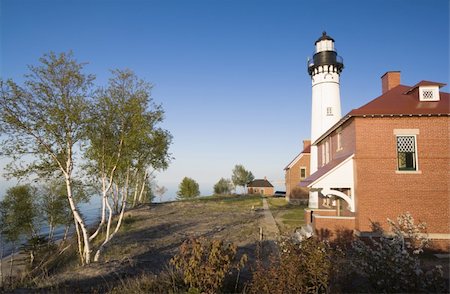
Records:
x=303, y=267
x=390, y=263
x=204, y=264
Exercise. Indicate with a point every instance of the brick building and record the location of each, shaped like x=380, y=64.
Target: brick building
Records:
x=383, y=159
x=296, y=171
x=261, y=187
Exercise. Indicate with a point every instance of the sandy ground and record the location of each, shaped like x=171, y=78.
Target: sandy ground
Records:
x=152, y=235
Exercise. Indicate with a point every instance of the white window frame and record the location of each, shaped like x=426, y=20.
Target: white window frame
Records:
x=433, y=89
x=407, y=133
x=339, y=141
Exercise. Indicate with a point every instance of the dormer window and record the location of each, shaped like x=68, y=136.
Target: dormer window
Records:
x=430, y=93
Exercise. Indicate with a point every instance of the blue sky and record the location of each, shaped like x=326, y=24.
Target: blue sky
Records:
x=231, y=75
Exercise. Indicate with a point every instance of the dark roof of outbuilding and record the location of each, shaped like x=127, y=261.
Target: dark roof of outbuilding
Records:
x=259, y=183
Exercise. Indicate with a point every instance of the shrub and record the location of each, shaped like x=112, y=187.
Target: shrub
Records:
x=204, y=264
x=390, y=263
x=303, y=267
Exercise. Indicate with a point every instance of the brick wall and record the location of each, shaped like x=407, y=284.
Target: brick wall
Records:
x=331, y=227
x=347, y=133
x=382, y=193
x=266, y=191
x=292, y=178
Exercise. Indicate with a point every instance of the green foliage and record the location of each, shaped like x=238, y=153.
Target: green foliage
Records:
x=204, y=265
x=188, y=188
x=46, y=116
x=240, y=176
x=54, y=206
x=303, y=267
x=223, y=186
x=18, y=213
x=390, y=263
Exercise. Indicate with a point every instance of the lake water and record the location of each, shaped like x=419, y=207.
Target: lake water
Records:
x=91, y=213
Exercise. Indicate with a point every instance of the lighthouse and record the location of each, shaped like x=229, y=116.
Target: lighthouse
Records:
x=324, y=68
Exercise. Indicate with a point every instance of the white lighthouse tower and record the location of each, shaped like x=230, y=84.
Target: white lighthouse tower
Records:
x=324, y=68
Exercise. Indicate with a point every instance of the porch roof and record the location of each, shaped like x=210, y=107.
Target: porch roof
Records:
x=325, y=171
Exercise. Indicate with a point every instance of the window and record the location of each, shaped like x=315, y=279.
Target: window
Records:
x=327, y=152
x=406, y=153
x=329, y=111
x=303, y=172
x=429, y=93
x=322, y=160
x=339, y=141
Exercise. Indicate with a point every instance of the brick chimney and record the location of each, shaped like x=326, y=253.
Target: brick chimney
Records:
x=390, y=80
x=306, y=144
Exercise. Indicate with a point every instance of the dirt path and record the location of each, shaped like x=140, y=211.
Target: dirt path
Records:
x=270, y=228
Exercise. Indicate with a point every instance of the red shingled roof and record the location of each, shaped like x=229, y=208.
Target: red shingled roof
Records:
x=405, y=101
x=399, y=101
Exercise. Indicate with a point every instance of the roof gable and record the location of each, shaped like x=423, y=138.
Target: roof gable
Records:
x=260, y=183
x=305, y=151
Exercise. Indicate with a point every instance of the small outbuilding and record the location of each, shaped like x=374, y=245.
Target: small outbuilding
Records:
x=261, y=187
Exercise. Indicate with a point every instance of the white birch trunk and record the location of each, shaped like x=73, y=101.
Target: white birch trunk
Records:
x=12, y=262
x=110, y=215
x=143, y=186
x=135, y=192
x=80, y=221
x=80, y=244
x=119, y=222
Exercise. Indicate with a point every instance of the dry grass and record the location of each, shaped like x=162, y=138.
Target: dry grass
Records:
x=151, y=235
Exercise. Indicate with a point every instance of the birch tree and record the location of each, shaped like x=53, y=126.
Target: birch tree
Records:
x=44, y=119
x=19, y=217
x=124, y=141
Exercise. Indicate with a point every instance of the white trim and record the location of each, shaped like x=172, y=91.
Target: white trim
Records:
x=333, y=217
x=416, y=155
x=331, y=170
x=350, y=201
x=411, y=172
x=434, y=90
x=406, y=132
x=433, y=236
x=438, y=236
x=293, y=162
x=319, y=209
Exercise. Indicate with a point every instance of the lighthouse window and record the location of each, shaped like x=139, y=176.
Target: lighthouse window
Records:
x=329, y=111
